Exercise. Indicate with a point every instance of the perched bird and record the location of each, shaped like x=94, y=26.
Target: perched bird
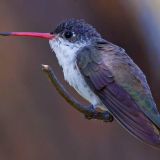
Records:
x=103, y=74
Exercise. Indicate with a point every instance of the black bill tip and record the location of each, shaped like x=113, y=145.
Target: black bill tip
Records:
x=5, y=33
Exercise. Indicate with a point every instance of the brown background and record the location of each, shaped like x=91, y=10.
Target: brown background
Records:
x=35, y=122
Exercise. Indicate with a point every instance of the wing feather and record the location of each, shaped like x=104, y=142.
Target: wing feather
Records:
x=97, y=64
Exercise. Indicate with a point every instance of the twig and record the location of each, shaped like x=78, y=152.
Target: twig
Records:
x=88, y=111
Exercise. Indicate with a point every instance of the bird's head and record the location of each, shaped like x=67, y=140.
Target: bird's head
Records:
x=69, y=36
x=74, y=34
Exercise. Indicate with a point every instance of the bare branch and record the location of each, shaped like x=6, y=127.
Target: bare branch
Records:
x=88, y=111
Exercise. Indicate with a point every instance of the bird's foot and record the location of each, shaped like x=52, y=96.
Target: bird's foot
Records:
x=94, y=114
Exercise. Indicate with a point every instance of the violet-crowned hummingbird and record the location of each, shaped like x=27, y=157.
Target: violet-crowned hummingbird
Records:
x=105, y=75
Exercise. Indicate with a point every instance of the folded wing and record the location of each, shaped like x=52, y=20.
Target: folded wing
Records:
x=135, y=111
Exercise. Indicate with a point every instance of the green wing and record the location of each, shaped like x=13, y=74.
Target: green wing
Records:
x=122, y=87
x=133, y=80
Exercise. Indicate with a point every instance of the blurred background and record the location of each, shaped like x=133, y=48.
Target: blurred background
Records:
x=36, y=123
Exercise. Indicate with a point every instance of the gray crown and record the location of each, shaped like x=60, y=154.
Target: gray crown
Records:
x=80, y=28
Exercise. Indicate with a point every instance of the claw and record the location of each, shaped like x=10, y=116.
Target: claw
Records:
x=108, y=117
x=93, y=114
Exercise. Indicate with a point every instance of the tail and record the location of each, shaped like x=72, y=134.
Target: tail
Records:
x=155, y=140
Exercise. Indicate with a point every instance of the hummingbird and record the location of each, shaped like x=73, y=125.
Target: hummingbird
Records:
x=103, y=74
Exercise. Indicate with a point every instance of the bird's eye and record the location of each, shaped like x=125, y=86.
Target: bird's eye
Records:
x=69, y=35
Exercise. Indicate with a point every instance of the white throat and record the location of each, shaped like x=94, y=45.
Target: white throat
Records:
x=66, y=55
x=65, y=51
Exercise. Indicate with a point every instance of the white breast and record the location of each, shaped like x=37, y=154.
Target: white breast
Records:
x=67, y=59
x=75, y=79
